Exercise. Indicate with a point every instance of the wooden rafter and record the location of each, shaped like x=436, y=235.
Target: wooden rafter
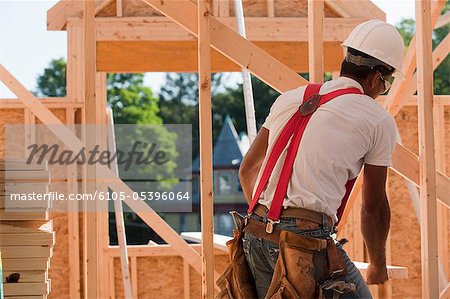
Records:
x=315, y=44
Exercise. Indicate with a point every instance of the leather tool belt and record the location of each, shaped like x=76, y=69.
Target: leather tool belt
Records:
x=299, y=213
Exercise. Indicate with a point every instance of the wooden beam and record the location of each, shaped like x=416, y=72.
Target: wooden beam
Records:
x=118, y=212
x=58, y=15
x=205, y=127
x=119, y=11
x=445, y=294
x=92, y=118
x=224, y=8
x=443, y=20
x=270, y=8
x=134, y=277
x=127, y=56
x=442, y=209
x=315, y=44
x=156, y=250
x=427, y=163
x=257, y=28
x=231, y=44
x=73, y=222
x=352, y=8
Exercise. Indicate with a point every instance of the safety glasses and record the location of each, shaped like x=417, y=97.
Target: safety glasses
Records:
x=386, y=83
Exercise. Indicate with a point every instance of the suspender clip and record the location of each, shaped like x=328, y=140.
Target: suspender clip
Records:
x=270, y=224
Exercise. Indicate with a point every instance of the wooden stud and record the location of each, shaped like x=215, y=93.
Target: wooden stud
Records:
x=315, y=44
x=224, y=8
x=206, y=167
x=427, y=167
x=73, y=221
x=442, y=210
x=119, y=10
x=118, y=212
x=111, y=271
x=134, y=277
x=92, y=118
x=270, y=8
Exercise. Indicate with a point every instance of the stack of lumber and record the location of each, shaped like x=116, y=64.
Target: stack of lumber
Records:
x=26, y=233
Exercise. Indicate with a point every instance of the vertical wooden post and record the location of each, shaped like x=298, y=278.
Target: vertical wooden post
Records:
x=315, y=40
x=134, y=276
x=224, y=8
x=270, y=8
x=119, y=6
x=206, y=167
x=92, y=118
x=73, y=220
x=442, y=210
x=427, y=167
x=118, y=212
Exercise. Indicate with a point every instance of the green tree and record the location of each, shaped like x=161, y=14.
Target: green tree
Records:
x=52, y=82
x=131, y=101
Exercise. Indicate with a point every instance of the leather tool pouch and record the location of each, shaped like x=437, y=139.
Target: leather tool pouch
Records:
x=237, y=281
x=301, y=265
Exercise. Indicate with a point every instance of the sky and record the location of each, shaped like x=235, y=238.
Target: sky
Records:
x=26, y=47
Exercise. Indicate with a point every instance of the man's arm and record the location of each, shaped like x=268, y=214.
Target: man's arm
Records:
x=249, y=169
x=375, y=221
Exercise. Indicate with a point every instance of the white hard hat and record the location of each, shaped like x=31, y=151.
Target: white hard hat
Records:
x=380, y=40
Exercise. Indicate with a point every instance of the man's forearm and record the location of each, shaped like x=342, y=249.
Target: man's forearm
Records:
x=375, y=223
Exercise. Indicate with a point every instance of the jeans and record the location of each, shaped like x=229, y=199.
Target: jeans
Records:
x=262, y=256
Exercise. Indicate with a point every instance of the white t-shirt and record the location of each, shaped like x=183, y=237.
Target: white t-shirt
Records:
x=341, y=136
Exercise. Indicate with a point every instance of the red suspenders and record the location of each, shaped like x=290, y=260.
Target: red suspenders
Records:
x=294, y=128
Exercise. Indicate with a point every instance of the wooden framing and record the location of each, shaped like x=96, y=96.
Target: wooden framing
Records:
x=315, y=44
x=92, y=115
x=206, y=166
x=428, y=210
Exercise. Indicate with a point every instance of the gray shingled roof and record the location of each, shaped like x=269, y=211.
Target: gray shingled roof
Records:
x=229, y=148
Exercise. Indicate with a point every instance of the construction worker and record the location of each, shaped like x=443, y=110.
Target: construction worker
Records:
x=342, y=136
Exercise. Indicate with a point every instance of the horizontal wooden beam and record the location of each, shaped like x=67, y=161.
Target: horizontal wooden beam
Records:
x=443, y=100
x=53, y=103
x=257, y=28
x=159, y=56
x=406, y=164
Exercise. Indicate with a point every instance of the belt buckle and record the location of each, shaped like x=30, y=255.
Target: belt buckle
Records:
x=270, y=224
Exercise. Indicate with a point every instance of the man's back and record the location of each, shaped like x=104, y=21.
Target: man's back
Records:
x=341, y=136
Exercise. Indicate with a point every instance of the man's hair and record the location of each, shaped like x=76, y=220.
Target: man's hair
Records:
x=361, y=71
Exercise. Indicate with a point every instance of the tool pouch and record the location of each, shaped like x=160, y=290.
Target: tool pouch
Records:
x=237, y=281
x=301, y=266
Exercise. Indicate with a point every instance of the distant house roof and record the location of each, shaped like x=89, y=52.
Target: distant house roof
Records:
x=229, y=148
